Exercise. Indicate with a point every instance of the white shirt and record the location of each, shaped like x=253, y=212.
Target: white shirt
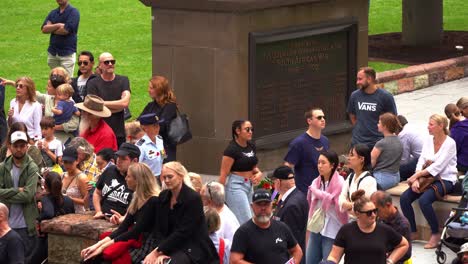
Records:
x=30, y=115
x=368, y=184
x=444, y=161
x=229, y=224
x=286, y=194
x=412, y=139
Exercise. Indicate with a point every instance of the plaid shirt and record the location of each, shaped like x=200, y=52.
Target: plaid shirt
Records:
x=89, y=167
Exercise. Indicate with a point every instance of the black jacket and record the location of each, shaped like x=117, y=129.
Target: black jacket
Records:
x=76, y=94
x=186, y=230
x=294, y=213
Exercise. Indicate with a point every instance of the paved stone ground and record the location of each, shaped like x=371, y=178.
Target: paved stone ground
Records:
x=417, y=106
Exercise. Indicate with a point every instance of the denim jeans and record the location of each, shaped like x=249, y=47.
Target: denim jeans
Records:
x=408, y=169
x=239, y=192
x=425, y=202
x=318, y=248
x=386, y=180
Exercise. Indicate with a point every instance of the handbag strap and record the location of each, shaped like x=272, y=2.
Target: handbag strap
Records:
x=436, y=189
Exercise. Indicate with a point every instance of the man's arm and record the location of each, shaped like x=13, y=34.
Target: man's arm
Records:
x=119, y=105
x=97, y=203
x=238, y=258
x=27, y=192
x=353, y=119
x=296, y=253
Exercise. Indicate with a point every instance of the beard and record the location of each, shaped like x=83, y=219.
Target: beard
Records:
x=263, y=219
x=84, y=125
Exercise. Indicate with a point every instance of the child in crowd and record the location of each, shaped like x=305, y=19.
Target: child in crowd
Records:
x=65, y=107
x=133, y=131
x=51, y=148
x=196, y=181
x=213, y=223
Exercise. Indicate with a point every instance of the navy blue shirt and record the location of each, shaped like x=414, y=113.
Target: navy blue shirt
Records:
x=367, y=108
x=64, y=45
x=304, y=153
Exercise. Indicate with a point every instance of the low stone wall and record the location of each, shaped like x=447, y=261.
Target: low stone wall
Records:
x=69, y=234
x=423, y=75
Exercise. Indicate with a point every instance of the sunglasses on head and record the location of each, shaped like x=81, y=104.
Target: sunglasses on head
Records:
x=370, y=212
x=208, y=186
x=109, y=62
x=249, y=129
x=85, y=63
x=320, y=117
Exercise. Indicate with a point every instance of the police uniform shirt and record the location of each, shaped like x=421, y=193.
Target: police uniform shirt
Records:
x=152, y=153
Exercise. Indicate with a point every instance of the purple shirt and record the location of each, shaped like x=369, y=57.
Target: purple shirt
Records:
x=459, y=133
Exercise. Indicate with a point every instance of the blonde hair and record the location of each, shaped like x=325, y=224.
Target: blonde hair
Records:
x=131, y=131
x=62, y=72
x=146, y=186
x=180, y=170
x=441, y=120
x=65, y=89
x=196, y=181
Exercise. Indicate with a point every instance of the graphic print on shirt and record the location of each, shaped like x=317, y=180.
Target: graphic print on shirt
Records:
x=249, y=154
x=118, y=195
x=367, y=106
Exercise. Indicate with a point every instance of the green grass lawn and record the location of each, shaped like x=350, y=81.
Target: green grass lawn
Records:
x=122, y=27
x=385, y=16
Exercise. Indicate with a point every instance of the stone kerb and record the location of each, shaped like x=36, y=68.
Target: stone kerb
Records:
x=423, y=75
x=69, y=234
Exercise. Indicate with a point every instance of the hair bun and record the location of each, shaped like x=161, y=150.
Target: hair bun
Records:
x=357, y=195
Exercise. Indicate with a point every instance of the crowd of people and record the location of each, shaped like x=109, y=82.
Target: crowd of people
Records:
x=69, y=150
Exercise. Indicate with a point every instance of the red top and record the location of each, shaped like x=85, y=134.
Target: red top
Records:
x=101, y=137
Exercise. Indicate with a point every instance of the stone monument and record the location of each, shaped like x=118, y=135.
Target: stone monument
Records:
x=260, y=60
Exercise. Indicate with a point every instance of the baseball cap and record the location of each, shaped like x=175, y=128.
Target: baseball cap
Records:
x=127, y=149
x=70, y=154
x=18, y=135
x=261, y=195
x=283, y=173
x=463, y=248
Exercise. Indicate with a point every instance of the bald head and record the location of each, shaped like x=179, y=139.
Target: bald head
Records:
x=105, y=55
x=4, y=211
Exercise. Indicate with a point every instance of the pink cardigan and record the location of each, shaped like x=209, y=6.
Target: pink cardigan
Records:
x=328, y=197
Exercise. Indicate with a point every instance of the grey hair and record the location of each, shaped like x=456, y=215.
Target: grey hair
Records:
x=217, y=193
x=82, y=144
x=382, y=198
x=4, y=210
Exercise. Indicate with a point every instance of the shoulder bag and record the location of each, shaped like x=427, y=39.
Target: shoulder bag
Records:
x=317, y=221
x=179, y=129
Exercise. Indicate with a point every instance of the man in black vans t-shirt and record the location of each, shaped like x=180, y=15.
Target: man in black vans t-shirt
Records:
x=111, y=189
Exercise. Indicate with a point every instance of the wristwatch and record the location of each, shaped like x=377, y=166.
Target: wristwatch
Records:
x=389, y=261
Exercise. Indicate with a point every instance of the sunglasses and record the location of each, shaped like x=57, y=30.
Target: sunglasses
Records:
x=208, y=186
x=321, y=117
x=249, y=129
x=19, y=85
x=85, y=63
x=370, y=212
x=109, y=62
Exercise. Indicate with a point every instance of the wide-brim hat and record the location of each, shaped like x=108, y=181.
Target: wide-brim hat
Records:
x=94, y=105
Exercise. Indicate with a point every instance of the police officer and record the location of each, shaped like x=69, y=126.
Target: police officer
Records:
x=151, y=144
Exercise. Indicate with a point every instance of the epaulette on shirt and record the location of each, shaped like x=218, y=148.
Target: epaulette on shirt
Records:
x=159, y=136
x=140, y=142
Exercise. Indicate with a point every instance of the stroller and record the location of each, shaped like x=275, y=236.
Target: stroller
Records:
x=454, y=233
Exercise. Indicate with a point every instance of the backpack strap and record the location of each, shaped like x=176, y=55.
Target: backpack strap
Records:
x=360, y=180
x=221, y=250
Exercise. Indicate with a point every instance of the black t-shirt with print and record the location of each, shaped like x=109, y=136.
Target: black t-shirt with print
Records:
x=270, y=245
x=245, y=159
x=360, y=247
x=118, y=199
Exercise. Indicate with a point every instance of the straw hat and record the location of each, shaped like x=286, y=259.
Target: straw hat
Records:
x=94, y=105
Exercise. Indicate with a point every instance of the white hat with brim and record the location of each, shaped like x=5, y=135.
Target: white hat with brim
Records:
x=94, y=105
x=17, y=136
x=463, y=248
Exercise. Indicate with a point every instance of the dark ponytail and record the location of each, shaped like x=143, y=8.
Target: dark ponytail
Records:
x=54, y=186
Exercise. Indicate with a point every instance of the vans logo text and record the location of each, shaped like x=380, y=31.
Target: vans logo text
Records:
x=367, y=106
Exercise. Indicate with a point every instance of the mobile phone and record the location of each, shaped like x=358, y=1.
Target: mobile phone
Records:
x=107, y=215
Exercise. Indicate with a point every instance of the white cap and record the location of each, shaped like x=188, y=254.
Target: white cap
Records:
x=463, y=248
x=18, y=135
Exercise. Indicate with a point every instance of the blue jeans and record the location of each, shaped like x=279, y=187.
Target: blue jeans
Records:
x=239, y=197
x=386, y=180
x=425, y=202
x=408, y=169
x=318, y=248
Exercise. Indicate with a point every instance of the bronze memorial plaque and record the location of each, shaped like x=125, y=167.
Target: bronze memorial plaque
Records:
x=294, y=68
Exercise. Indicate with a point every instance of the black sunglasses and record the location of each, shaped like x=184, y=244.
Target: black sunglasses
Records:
x=208, y=186
x=85, y=63
x=320, y=117
x=249, y=129
x=370, y=212
x=109, y=62
x=19, y=85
